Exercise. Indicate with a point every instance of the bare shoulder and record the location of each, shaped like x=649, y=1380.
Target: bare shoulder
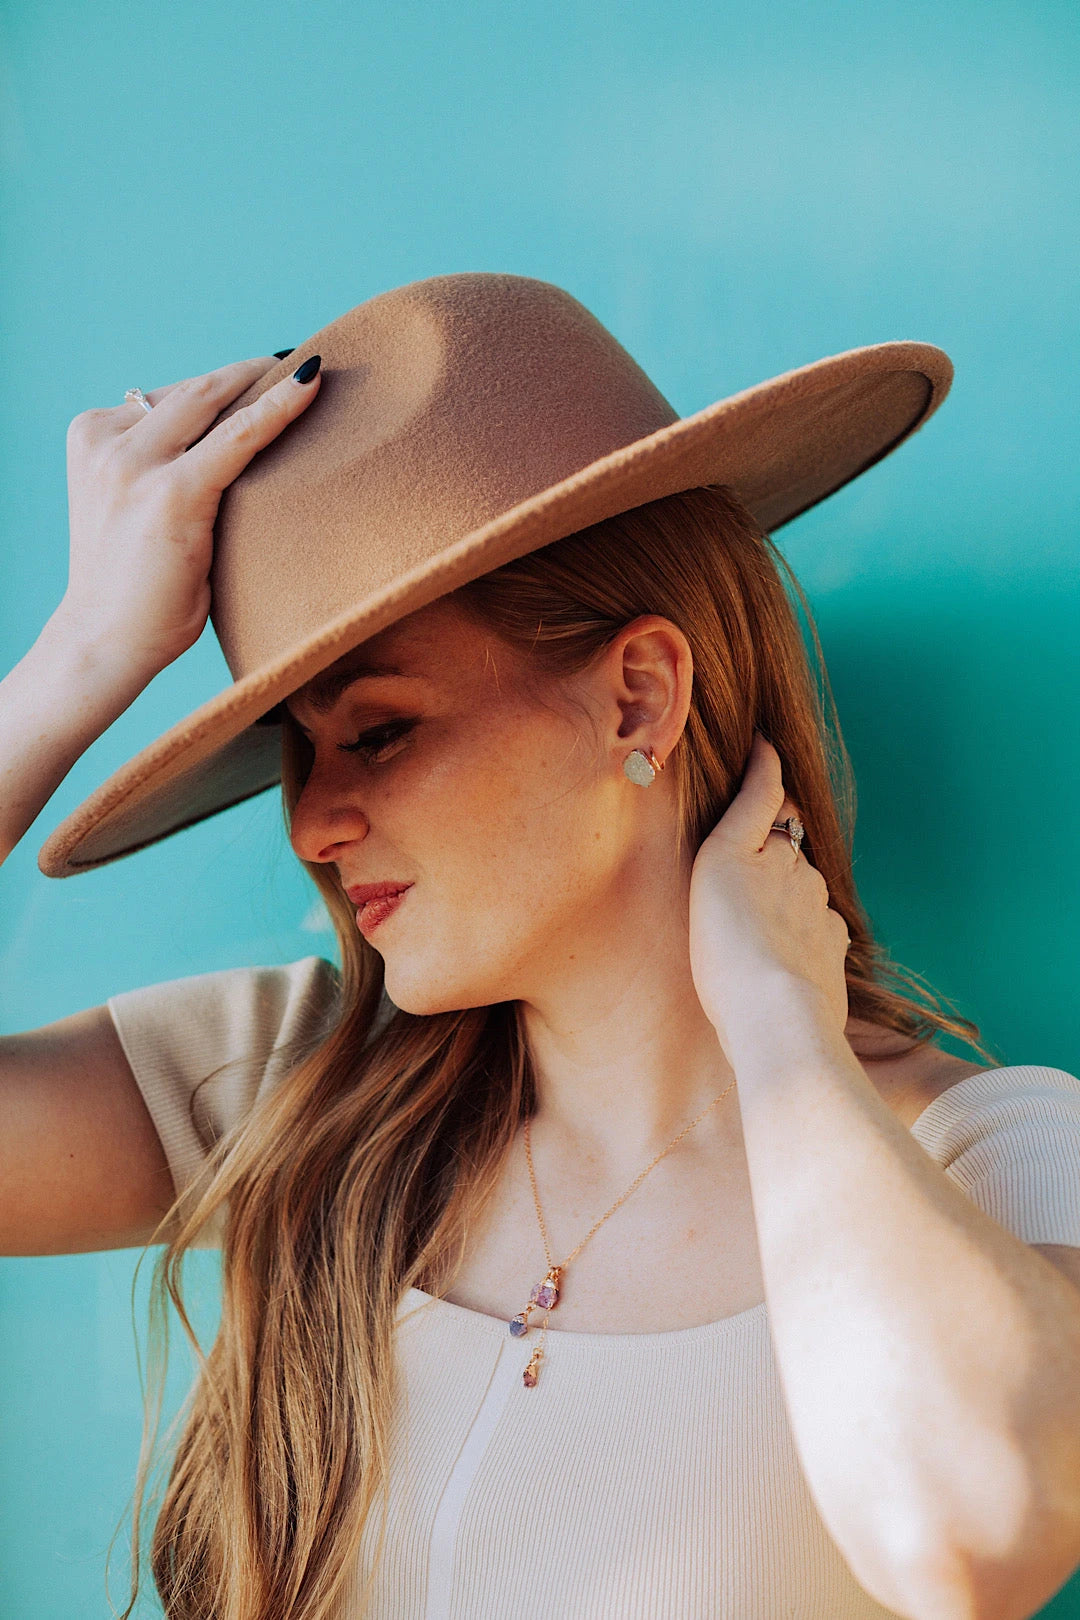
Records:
x=945, y=1072
x=911, y=1082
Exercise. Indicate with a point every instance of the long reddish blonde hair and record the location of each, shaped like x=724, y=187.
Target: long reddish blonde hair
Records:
x=362, y=1173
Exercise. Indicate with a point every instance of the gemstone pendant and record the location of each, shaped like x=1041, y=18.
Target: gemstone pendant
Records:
x=532, y=1371
x=545, y=1294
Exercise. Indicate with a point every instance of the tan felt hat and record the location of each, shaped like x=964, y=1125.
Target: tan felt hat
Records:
x=462, y=421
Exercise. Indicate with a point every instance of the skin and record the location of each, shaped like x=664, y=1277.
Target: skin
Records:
x=499, y=792
x=81, y=1166
x=502, y=790
x=542, y=875
x=944, y=1462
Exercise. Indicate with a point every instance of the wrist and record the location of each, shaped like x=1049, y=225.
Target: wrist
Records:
x=100, y=667
x=81, y=676
x=778, y=1012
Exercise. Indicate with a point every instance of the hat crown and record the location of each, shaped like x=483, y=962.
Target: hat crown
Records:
x=463, y=421
x=443, y=405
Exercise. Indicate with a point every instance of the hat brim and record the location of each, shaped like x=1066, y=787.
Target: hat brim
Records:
x=782, y=445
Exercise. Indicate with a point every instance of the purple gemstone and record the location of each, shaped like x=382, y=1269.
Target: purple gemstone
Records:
x=545, y=1295
x=518, y=1326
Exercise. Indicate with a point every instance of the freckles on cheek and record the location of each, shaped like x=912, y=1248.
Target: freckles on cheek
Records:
x=491, y=805
x=453, y=818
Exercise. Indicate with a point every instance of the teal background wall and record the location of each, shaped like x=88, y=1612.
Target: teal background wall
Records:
x=734, y=190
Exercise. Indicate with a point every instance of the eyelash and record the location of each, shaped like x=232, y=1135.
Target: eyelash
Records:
x=371, y=743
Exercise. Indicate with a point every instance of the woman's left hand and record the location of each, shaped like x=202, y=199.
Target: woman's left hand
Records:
x=759, y=913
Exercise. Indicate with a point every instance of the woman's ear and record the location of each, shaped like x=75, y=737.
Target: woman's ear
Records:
x=650, y=674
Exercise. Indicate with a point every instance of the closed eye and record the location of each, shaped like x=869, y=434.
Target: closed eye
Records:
x=378, y=740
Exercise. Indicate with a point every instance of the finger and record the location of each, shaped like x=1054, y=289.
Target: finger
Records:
x=154, y=396
x=182, y=411
x=823, y=887
x=760, y=798
x=252, y=368
x=223, y=454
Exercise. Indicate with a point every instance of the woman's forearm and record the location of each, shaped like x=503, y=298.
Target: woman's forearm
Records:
x=930, y=1360
x=57, y=700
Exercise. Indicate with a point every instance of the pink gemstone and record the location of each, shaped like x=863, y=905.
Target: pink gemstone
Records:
x=528, y=1378
x=545, y=1294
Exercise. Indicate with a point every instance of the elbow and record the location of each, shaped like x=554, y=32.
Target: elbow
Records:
x=1015, y=1578
x=994, y=1543
x=959, y=1582
x=960, y=1587
x=952, y=1577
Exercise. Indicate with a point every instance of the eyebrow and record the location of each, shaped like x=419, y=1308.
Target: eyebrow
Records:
x=323, y=691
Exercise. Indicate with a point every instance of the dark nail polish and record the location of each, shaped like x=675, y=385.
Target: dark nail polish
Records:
x=304, y=373
x=282, y=354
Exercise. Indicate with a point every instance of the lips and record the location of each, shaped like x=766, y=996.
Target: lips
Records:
x=376, y=901
x=361, y=893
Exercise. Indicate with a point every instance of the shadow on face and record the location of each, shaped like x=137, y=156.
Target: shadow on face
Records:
x=439, y=759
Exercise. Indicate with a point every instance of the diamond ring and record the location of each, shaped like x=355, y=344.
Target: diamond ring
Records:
x=794, y=829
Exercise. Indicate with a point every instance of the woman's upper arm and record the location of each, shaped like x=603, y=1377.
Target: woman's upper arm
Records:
x=107, y=1115
x=81, y=1163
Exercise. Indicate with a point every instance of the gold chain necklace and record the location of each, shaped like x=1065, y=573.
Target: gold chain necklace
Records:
x=545, y=1295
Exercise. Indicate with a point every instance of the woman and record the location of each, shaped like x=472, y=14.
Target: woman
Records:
x=609, y=1238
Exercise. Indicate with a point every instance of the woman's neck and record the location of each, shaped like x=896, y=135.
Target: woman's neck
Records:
x=622, y=1051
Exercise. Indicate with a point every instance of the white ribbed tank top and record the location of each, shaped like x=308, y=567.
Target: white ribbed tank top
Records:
x=648, y=1476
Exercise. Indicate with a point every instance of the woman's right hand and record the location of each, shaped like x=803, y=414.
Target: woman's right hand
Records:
x=143, y=493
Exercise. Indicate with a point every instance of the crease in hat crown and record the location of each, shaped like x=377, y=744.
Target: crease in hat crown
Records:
x=462, y=421
x=464, y=396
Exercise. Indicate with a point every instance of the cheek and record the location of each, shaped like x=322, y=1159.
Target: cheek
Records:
x=511, y=813
x=514, y=848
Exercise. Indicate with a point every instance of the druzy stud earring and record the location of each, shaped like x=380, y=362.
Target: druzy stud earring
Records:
x=641, y=766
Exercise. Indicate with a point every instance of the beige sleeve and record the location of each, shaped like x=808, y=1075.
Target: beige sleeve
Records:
x=1010, y=1138
x=177, y=1033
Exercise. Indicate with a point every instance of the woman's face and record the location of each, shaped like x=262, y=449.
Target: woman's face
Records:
x=503, y=809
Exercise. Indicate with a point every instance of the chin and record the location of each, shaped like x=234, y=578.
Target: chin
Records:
x=423, y=998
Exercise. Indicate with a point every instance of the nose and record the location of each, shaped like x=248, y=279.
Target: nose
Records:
x=326, y=819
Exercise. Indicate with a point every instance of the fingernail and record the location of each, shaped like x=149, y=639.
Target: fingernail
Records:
x=304, y=373
x=282, y=354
